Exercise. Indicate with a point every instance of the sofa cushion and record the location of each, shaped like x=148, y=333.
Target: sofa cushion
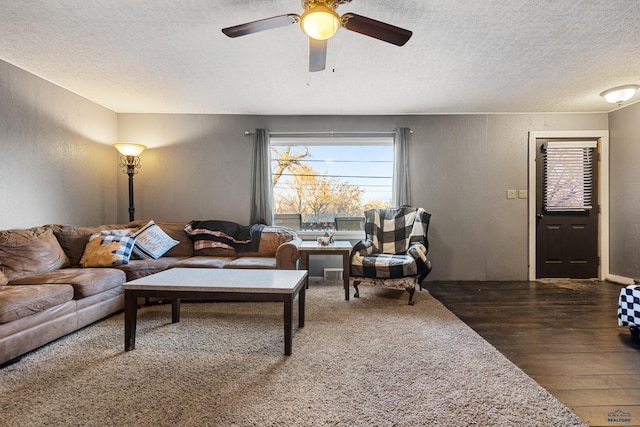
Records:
x=152, y=242
x=85, y=281
x=17, y=302
x=138, y=268
x=73, y=238
x=252, y=262
x=107, y=248
x=203, y=262
x=29, y=252
x=217, y=252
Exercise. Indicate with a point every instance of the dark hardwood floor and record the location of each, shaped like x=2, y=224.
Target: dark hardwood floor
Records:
x=564, y=334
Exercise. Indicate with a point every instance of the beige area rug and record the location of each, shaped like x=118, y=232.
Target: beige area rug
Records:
x=372, y=361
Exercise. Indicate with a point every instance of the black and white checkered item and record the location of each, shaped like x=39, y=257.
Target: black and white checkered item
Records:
x=396, y=244
x=629, y=306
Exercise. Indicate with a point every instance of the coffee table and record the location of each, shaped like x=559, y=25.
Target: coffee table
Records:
x=220, y=285
x=343, y=248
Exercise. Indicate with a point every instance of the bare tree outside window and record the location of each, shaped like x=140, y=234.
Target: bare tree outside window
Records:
x=322, y=182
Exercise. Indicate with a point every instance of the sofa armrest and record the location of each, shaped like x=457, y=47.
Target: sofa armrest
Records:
x=287, y=255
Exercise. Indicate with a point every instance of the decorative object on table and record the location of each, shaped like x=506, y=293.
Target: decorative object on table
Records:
x=327, y=239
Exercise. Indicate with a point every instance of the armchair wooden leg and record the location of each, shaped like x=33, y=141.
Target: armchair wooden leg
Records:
x=355, y=285
x=421, y=277
x=411, y=290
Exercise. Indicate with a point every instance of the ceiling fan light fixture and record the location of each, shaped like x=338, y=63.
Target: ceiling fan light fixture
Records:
x=620, y=94
x=320, y=22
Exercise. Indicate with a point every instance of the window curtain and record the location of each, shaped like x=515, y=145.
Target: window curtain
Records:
x=401, y=194
x=261, y=191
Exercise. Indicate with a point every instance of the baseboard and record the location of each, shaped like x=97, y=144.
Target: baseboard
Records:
x=316, y=278
x=619, y=279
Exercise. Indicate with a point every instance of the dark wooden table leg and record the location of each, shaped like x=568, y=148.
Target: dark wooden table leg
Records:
x=175, y=310
x=345, y=274
x=130, y=318
x=304, y=265
x=301, y=302
x=288, y=323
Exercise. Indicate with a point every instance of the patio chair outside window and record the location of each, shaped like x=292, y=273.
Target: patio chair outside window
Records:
x=349, y=223
x=293, y=221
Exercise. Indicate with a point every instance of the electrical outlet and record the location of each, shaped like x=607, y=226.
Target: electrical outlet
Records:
x=523, y=194
x=511, y=194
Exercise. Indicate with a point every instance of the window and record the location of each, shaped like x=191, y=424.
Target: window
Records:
x=327, y=182
x=568, y=179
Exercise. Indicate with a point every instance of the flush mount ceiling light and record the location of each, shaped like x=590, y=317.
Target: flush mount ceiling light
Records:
x=620, y=94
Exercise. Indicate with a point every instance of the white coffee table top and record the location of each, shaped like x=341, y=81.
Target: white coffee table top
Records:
x=220, y=280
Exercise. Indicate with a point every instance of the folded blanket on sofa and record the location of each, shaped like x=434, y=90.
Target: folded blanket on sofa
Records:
x=224, y=234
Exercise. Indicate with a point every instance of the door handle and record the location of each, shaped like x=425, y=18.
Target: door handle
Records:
x=540, y=216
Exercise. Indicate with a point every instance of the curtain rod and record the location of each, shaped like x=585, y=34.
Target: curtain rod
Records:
x=329, y=133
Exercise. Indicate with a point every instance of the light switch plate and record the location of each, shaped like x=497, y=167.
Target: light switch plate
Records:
x=511, y=194
x=523, y=194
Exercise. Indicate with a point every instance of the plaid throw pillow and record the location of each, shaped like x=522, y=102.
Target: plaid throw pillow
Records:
x=107, y=249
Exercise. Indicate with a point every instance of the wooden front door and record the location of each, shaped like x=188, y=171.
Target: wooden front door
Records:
x=567, y=213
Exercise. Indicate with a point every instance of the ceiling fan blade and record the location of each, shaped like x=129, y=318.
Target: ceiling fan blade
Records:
x=376, y=29
x=261, y=25
x=317, y=54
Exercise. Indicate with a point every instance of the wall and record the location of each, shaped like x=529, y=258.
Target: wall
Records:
x=199, y=167
x=196, y=167
x=55, y=164
x=624, y=137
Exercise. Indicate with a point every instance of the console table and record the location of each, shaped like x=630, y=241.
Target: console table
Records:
x=336, y=248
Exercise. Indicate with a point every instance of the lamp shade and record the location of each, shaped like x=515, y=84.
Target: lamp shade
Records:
x=620, y=94
x=129, y=149
x=320, y=22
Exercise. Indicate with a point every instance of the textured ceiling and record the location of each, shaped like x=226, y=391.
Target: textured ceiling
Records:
x=169, y=56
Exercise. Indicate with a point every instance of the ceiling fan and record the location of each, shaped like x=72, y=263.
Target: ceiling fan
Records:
x=320, y=22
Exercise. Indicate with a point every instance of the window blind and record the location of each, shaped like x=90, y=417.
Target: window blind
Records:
x=568, y=179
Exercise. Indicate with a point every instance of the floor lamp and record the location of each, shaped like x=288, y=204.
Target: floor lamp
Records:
x=130, y=161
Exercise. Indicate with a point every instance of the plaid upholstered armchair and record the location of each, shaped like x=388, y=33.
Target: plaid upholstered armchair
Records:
x=394, y=252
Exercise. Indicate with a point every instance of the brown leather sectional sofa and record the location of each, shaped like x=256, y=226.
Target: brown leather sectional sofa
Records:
x=45, y=293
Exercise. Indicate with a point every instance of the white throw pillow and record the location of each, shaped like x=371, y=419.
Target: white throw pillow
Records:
x=152, y=242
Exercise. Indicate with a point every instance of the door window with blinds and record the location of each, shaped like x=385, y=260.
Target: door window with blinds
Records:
x=568, y=180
